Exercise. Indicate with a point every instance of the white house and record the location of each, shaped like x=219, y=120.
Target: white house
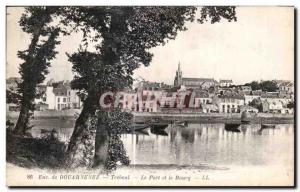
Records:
x=225, y=83
x=287, y=87
x=230, y=103
x=202, y=98
x=62, y=97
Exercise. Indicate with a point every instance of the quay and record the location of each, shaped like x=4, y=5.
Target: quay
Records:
x=258, y=118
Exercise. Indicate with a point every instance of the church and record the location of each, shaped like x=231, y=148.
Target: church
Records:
x=194, y=83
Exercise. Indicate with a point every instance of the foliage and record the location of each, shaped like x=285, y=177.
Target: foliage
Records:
x=121, y=39
x=291, y=105
x=256, y=103
x=35, y=21
x=127, y=34
x=34, y=152
x=269, y=86
x=216, y=13
x=254, y=85
x=115, y=123
x=12, y=97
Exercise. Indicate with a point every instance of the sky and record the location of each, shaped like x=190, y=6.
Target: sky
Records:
x=259, y=46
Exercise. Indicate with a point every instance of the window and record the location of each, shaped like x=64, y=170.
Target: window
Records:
x=58, y=106
x=58, y=99
x=64, y=99
x=69, y=99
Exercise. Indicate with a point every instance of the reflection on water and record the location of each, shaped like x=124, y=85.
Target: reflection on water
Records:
x=212, y=144
x=200, y=144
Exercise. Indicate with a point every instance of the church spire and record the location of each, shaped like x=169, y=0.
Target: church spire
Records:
x=178, y=77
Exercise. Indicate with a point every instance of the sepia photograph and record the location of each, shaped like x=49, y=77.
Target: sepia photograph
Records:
x=155, y=96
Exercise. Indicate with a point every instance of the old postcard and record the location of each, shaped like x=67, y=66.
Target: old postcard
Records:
x=150, y=96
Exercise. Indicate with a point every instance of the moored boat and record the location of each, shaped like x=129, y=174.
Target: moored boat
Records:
x=233, y=127
x=267, y=126
x=180, y=123
x=159, y=126
x=138, y=127
x=159, y=132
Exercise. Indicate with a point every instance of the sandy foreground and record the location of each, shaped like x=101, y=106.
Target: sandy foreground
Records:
x=151, y=175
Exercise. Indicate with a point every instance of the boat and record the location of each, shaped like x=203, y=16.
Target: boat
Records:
x=265, y=126
x=233, y=127
x=159, y=132
x=138, y=127
x=142, y=131
x=159, y=126
x=180, y=123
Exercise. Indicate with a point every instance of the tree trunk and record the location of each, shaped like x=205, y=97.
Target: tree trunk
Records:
x=22, y=123
x=81, y=148
x=89, y=142
x=101, y=144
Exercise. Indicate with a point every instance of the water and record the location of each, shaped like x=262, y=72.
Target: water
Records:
x=211, y=144
x=199, y=144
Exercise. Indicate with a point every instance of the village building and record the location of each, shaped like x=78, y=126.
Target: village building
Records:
x=151, y=88
x=286, y=87
x=12, y=107
x=12, y=83
x=275, y=106
x=246, y=89
x=226, y=90
x=209, y=108
x=193, y=83
x=225, y=83
x=61, y=96
x=230, y=103
x=202, y=98
x=128, y=101
x=276, y=97
x=265, y=106
x=169, y=99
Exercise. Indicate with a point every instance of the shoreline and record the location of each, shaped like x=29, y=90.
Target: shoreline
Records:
x=259, y=118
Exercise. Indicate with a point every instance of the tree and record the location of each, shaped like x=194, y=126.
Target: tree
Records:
x=269, y=86
x=254, y=85
x=127, y=34
x=290, y=105
x=36, y=58
x=256, y=103
x=12, y=97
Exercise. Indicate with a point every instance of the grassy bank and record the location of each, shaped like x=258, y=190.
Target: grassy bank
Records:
x=34, y=152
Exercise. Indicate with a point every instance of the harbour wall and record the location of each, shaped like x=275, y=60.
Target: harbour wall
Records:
x=190, y=117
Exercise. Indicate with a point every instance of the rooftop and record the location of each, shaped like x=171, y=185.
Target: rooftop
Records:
x=225, y=81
